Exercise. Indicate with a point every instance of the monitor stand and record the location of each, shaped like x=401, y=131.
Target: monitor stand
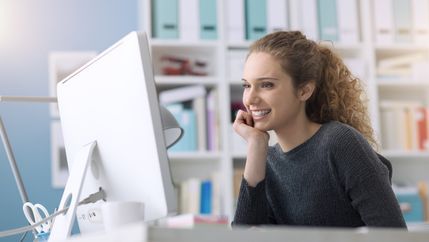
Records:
x=63, y=223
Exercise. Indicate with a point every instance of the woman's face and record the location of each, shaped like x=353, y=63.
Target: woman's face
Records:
x=269, y=94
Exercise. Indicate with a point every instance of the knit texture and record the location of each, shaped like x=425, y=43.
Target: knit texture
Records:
x=335, y=179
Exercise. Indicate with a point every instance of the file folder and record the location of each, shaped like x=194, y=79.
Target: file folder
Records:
x=328, y=23
x=208, y=19
x=256, y=19
x=402, y=20
x=165, y=19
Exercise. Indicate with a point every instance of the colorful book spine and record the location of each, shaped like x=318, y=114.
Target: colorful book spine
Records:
x=206, y=197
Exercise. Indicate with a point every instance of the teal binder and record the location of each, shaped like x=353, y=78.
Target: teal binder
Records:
x=256, y=18
x=402, y=20
x=328, y=22
x=187, y=119
x=165, y=19
x=208, y=19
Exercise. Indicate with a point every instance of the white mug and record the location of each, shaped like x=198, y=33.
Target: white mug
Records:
x=116, y=214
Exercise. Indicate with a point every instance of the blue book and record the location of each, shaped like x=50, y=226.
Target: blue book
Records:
x=412, y=207
x=165, y=19
x=256, y=18
x=328, y=22
x=206, y=197
x=208, y=19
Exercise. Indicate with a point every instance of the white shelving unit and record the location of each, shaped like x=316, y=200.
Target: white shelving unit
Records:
x=409, y=166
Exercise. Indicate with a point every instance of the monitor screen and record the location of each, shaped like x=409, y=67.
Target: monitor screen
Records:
x=113, y=100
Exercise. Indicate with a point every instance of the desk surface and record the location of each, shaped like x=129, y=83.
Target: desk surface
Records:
x=140, y=232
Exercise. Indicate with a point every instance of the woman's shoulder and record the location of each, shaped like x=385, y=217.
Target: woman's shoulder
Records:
x=336, y=134
x=338, y=129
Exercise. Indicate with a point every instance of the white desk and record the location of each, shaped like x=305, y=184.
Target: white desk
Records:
x=141, y=233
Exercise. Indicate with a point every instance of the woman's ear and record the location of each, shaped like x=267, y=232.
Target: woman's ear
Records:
x=306, y=91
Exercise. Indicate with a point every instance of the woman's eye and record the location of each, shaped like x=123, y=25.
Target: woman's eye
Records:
x=267, y=84
x=245, y=85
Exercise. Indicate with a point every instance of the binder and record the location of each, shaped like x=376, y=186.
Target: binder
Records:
x=328, y=23
x=256, y=19
x=235, y=19
x=208, y=19
x=165, y=19
x=309, y=18
x=348, y=21
x=402, y=20
x=277, y=15
x=188, y=121
x=383, y=21
x=420, y=10
x=189, y=20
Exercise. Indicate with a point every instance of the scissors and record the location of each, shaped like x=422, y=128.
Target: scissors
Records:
x=39, y=213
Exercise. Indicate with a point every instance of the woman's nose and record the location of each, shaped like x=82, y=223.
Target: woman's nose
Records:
x=250, y=97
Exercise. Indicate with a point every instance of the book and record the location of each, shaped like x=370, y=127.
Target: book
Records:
x=213, y=126
x=200, y=108
x=402, y=124
x=181, y=94
x=206, y=197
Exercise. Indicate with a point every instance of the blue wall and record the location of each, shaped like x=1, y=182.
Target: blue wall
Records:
x=29, y=30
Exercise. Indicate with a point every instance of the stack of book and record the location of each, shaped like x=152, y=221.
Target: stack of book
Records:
x=200, y=196
x=404, y=125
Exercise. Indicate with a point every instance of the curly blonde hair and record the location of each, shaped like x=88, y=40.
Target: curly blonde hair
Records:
x=338, y=94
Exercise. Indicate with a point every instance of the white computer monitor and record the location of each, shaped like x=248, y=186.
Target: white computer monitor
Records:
x=113, y=100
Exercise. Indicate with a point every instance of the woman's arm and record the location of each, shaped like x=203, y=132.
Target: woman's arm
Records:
x=252, y=204
x=366, y=182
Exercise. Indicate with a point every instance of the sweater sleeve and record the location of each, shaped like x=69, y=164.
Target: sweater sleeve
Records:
x=367, y=183
x=252, y=205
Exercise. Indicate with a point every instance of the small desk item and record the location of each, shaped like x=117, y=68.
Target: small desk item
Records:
x=39, y=213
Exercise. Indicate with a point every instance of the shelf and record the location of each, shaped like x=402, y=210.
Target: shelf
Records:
x=405, y=154
x=186, y=80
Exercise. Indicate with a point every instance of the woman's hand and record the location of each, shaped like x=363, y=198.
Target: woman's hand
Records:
x=257, y=147
x=244, y=126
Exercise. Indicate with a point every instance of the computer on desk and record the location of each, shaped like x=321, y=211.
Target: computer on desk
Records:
x=111, y=103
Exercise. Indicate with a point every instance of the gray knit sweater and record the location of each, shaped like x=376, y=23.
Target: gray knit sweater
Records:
x=333, y=179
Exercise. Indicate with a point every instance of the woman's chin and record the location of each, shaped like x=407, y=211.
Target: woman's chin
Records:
x=262, y=127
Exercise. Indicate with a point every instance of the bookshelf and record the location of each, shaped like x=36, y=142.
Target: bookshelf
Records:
x=225, y=54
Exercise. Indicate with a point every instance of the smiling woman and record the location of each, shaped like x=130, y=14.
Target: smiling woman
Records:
x=323, y=171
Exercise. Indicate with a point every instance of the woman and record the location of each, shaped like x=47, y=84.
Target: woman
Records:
x=323, y=171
